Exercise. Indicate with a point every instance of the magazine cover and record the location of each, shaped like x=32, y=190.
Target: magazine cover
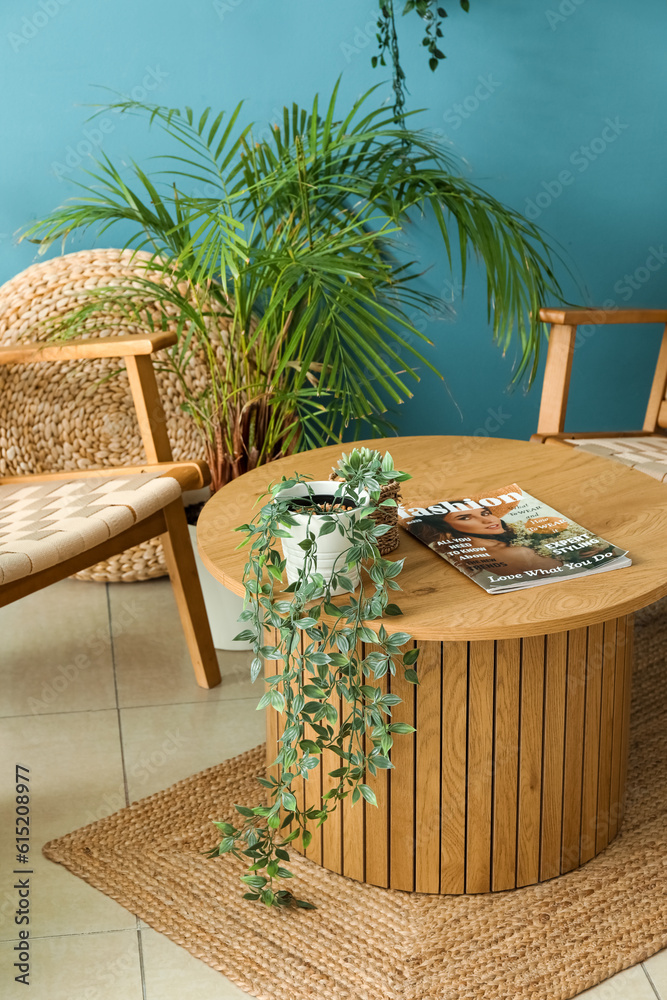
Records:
x=509, y=540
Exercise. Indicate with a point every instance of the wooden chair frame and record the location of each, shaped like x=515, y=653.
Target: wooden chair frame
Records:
x=169, y=523
x=556, y=386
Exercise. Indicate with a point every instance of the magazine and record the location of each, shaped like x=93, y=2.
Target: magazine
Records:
x=510, y=540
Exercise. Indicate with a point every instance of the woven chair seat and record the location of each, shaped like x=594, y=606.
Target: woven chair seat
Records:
x=70, y=416
x=646, y=454
x=45, y=524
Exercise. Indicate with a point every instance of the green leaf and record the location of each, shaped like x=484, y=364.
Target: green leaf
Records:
x=393, y=610
x=244, y=811
x=331, y=713
x=399, y=638
x=256, y=881
x=338, y=659
x=225, y=828
x=368, y=794
x=390, y=699
x=401, y=727
x=277, y=700
x=255, y=669
x=343, y=644
x=411, y=657
x=382, y=762
x=289, y=801
x=411, y=676
x=319, y=659
x=327, y=528
x=245, y=636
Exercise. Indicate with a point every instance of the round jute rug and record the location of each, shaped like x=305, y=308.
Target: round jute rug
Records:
x=550, y=941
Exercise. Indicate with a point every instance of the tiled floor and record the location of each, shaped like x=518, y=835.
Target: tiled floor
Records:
x=100, y=703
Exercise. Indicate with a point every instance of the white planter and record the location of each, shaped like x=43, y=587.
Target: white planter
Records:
x=222, y=606
x=330, y=548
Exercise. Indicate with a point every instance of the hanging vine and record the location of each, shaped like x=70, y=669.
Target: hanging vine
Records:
x=432, y=14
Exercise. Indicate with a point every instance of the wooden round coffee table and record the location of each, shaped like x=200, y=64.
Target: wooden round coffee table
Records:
x=516, y=772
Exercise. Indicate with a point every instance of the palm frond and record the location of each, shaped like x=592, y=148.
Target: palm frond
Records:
x=294, y=239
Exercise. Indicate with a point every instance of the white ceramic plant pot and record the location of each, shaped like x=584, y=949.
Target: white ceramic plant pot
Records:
x=222, y=606
x=331, y=548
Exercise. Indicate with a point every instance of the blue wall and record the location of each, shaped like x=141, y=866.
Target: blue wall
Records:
x=530, y=89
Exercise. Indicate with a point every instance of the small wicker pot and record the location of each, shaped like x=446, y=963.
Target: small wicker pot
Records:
x=385, y=515
x=72, y=415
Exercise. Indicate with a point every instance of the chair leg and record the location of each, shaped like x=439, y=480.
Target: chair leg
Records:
x=185, y=581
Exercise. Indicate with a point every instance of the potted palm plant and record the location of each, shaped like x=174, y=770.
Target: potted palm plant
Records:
x=292, y=240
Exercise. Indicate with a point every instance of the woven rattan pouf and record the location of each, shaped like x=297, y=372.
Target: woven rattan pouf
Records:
x=71, y=415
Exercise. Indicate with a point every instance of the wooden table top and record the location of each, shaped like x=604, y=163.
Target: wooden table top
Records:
x=438, y=602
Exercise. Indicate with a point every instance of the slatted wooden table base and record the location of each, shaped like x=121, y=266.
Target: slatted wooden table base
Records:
x=516, y=772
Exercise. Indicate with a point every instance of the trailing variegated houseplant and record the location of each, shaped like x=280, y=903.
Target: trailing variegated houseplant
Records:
x=318, y=648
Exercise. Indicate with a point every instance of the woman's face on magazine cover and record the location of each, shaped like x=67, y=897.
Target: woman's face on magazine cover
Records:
x=478, y=522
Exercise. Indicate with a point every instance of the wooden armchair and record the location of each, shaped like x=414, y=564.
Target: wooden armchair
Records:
x=645, y=449
x=54, y=525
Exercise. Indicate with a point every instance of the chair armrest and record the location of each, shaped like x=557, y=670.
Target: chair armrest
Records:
x=573, y=435
x=191, y=475
x=562, y=342
x=599, y=317
x=129, y=345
